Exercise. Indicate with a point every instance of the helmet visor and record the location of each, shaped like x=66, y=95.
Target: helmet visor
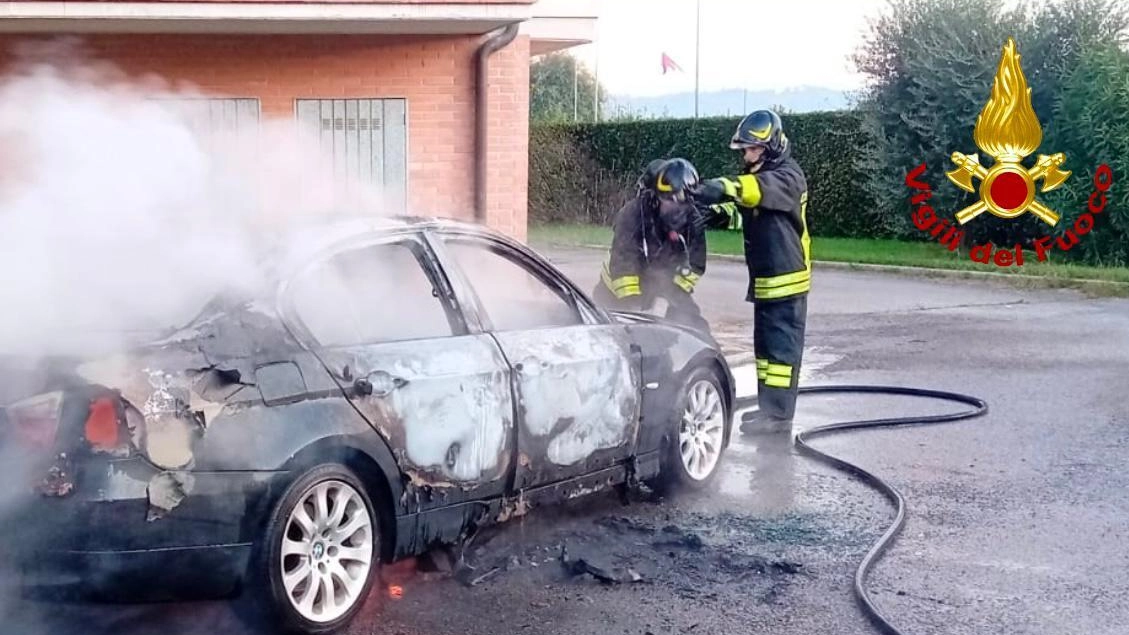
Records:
x=737, y=143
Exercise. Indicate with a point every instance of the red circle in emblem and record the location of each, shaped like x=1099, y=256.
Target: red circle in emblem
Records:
x=1009, y=190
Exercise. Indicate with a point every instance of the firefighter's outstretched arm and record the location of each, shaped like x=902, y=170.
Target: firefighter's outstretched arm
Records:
x=774, y=190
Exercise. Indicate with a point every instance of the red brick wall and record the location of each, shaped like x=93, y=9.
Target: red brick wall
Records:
x=435, y=75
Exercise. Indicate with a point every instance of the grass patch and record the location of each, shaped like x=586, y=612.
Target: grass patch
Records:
x=850, y=250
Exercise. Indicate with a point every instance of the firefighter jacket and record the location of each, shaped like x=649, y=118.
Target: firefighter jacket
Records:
x=642, y=247
x=770, y=207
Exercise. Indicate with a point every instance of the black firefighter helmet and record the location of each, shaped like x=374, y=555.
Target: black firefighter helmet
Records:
x=671, y=186
x=676, y=179
x=761, y=128
x=647, y=178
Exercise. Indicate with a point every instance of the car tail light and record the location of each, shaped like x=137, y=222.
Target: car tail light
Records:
x=34, y=422
x=103, y=426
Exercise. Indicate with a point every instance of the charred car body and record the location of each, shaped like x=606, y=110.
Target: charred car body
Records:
x=400, y=384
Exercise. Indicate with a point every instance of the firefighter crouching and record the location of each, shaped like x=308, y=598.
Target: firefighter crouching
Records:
x=769, y=203
x=658, y=250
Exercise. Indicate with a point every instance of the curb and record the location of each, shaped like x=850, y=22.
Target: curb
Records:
x=1049, y=281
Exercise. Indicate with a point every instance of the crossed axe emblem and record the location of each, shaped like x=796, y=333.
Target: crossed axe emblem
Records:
x=1007, y=189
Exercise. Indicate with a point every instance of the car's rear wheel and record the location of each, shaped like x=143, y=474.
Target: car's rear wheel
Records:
x=697, y=441
x=322, y=551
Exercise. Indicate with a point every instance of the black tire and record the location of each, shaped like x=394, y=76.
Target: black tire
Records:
x=266, y=574
x=674, y=474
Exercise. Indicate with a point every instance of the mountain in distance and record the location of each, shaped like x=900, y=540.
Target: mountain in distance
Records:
x=733, y=102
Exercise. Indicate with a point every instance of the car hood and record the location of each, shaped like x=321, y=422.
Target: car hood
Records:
x=637, y=317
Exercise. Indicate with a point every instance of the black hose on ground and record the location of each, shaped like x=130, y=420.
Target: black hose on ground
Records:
x=979, y=408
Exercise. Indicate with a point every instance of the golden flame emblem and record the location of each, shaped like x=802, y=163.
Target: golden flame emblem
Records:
x=1008, y=131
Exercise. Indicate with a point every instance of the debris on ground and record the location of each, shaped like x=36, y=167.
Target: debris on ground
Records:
x=741, y=564
x=469, y=576
x=690, y=553
x=581, y=566
x=680, y=538
x=485, y=576
x=622, y=525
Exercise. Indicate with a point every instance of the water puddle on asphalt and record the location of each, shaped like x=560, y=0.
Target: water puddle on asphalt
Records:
x=766, y=469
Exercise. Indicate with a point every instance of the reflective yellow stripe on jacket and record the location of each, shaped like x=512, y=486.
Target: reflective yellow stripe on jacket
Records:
x=623, y=286
x=745, y=190
x=730, y=210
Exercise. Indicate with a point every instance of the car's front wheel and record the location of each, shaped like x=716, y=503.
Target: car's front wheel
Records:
x=697, y=440
x=322, y=547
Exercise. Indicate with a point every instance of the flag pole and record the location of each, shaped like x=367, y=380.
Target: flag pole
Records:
x=575, y=91
x=596, y=92
x=697, y=53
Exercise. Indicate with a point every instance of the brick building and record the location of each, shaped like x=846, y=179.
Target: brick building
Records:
x=391, y=87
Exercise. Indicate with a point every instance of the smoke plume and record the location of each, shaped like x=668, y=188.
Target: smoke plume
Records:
x=118, y=218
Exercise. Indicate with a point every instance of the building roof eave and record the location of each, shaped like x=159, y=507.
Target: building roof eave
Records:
x=260, y=17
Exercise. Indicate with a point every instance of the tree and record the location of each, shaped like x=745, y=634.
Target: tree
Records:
x=551, y=90
x=930, y=65
x=1093, y=128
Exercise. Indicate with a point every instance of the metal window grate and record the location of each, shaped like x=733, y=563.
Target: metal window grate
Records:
x=211, y=116
x=366, y=140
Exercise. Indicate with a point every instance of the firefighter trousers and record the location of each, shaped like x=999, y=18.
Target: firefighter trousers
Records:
x=778, y=341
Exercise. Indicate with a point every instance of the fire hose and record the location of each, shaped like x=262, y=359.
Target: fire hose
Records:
x=979, y=408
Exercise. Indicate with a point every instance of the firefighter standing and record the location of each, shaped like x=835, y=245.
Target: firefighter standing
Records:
x=769, y=203
x=657, y=251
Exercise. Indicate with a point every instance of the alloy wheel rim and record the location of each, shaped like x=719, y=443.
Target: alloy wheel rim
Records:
x=701, y=432
x=327, y=551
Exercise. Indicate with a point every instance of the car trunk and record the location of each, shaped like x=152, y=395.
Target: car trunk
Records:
x=147, y=394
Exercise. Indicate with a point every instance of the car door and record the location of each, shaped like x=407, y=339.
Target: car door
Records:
x=384, y=321
x=577, y=377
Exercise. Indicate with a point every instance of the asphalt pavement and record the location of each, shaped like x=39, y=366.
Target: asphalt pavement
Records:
x=1017, y=521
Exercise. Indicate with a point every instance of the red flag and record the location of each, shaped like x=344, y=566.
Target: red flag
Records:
x=669, y=64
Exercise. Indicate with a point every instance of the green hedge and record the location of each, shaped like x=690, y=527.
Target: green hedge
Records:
x=585, y=172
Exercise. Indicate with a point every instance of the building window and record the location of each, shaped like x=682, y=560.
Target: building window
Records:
x=366, y=139
x=217, y=116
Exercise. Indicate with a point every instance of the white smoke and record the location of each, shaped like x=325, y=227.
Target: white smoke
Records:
x=115, y=216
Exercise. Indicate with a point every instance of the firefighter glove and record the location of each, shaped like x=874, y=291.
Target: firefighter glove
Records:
x=711, y=192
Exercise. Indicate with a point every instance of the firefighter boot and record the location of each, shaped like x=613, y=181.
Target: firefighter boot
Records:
x=755, y=422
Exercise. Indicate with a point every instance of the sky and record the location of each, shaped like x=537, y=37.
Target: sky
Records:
x=753, y=44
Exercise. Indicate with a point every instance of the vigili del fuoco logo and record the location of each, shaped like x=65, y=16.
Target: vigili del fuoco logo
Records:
x=1008, y=131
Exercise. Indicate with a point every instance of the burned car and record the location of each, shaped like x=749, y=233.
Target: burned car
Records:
x=400, y=384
